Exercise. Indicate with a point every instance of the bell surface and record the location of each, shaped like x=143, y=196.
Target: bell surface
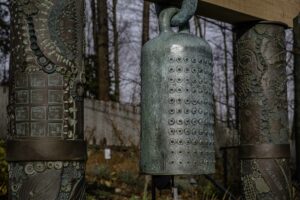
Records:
x=177, y=103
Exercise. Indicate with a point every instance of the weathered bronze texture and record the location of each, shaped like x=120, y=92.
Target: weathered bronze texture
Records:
x=297, y=93
x=46, y=100
x=263, y=113
x=177, y=103
x=266, y=151
x=38, y=150
x=187, y=11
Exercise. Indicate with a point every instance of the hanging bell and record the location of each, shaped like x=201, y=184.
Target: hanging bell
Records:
x=177, y=103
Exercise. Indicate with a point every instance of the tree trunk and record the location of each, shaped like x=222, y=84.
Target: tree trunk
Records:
x=234, y=58
x=146, y=18
x=116, y=52
x=102, y=51
x=224, y=35
x=198, y=26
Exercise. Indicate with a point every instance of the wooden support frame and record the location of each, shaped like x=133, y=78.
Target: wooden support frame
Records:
x=237, y=11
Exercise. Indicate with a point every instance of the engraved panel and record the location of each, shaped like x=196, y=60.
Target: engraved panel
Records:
x=22, y=129
x=55, y=96
x=46, y=48
x=22, y=97
x=22, y=113
x=38, y=113
x=38, y=80
x=55, y=80
x=55, y=113
x=55, y=129
x=38, y=129
x=21, y=80
x=38, y=96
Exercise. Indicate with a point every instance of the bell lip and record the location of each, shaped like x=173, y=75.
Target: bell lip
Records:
x=273, y=22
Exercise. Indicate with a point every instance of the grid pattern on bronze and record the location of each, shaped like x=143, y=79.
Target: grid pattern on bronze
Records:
x=39, y=104
x=190, y=112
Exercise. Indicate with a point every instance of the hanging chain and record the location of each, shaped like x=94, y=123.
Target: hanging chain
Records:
x=187, y=11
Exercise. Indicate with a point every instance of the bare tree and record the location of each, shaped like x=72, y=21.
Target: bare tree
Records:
x=4, y=40
x=102, y=52
x=146, y=16
x=198, y=27
x=224, y=35
x=116, y=96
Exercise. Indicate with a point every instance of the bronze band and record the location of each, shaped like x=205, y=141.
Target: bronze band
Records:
x=46, y=150
x=264, y=151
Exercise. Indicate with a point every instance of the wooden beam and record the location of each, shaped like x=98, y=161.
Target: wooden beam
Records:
x=236, y=11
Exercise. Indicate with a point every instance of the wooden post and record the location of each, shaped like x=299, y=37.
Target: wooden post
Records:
x=45, y=147
x=263, y=114
x=240, y=11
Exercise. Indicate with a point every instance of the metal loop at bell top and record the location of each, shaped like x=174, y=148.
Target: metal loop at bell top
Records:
x=165, y=18
x=188, y=9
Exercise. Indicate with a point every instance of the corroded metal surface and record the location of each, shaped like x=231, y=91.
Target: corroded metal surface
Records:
x=262, y=105
x=297, y=94
x=46, y=99
x=177, y=103
x=186, y=12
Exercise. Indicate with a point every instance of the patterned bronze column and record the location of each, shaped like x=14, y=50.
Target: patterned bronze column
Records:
x=297, y=93
x=46, y=151
x=263, y=115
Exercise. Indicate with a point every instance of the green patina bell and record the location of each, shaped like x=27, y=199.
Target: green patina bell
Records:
x=177, y=103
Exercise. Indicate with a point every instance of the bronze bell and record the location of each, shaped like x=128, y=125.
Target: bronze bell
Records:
x=177, y=103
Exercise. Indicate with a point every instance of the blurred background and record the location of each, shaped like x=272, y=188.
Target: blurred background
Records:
x=115, y=31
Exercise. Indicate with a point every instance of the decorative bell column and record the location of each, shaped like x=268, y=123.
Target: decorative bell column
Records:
x=263, y=113
x=46, y=151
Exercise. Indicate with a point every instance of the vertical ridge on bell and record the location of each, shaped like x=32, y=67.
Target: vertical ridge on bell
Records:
x=177, y=127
